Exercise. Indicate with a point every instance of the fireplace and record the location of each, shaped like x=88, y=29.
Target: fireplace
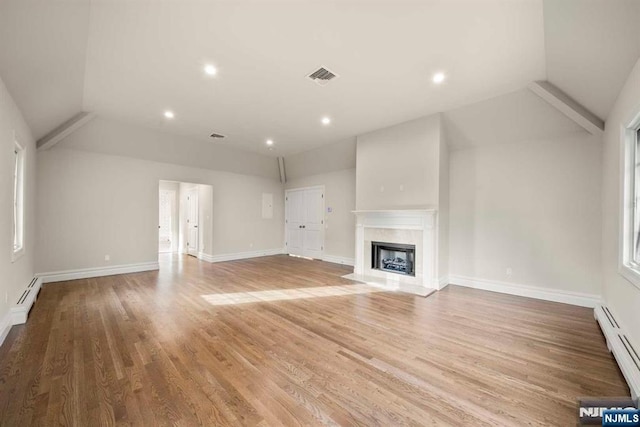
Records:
x=402, y=230
x=393, y=258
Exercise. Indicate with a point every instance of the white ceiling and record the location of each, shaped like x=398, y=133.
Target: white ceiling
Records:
x=144, y=57
x=507, y=119
x=591, y=47
x=131, y=60
x=42, y=58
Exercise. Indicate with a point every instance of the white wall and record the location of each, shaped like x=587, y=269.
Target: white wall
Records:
x=15, y=276
x=531, y=206
x=340, y=196
x=94, y=204
x=397, y=167
x=443, y=208
x=619, y=294
x=328, y=158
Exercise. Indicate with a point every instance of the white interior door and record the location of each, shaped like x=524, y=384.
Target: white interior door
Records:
x=294, y=222
x=313, y=227
x=192, y=223
x=305, y=222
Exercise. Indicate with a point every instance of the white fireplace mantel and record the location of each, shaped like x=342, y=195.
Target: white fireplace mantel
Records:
x=408, y=226
x=410, y=219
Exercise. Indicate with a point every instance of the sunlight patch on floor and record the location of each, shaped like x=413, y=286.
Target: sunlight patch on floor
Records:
x=289, y=294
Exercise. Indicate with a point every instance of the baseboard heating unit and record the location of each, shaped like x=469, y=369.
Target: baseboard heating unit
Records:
x=627, y=354
x=20, y=311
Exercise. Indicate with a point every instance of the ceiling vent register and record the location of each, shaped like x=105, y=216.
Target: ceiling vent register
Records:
x=322, y=76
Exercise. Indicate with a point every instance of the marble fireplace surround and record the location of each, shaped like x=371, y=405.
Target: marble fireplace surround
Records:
x=412, y=226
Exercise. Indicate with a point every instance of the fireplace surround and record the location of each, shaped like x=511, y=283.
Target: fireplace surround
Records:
x=412, y=227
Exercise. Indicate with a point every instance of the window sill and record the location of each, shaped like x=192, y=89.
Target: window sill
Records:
x=631, y=274
x=16, y=255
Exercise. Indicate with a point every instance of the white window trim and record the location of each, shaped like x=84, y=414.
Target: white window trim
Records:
x=16, y=254
x=628, y=134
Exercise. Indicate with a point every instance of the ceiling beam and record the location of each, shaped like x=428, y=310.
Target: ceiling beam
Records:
x=568, y=106
x=64, y=130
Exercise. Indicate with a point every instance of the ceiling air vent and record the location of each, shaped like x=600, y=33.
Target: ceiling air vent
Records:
x=322, y=76
x=216, y=135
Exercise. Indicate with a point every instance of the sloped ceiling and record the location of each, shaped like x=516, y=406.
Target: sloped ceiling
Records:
x=42, y=58
x=591, y=47
x=131, y=60
x=144, y=57
x=507, y=119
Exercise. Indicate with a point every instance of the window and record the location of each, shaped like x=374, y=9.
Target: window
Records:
x=630, y=229
x=18, y=200
x=635, y=256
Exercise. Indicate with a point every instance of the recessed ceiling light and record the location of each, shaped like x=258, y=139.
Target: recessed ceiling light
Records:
x=210, y=70
x=169, y=114
x=438, y=78
x=326, y=120
x=269, y=142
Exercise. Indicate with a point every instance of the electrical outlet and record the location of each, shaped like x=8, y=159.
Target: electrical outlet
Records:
x=382, y=188
x=401, y=187
x=509, y=272
x=107, y=257
x=250, y=245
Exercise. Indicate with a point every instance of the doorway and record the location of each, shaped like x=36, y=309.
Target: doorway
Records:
x=185, y=218
x=304, y=221
x=168, y=216
x=166, y=219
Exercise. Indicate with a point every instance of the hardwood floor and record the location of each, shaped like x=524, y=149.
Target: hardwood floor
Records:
x=206, y=344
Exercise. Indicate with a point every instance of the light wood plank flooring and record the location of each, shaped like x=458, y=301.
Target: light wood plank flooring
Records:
x=206, y=344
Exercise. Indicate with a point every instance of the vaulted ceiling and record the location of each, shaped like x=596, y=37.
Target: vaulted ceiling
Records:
x=132, y=60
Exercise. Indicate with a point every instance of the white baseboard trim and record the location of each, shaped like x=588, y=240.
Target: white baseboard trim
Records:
x=626, y=353
x=239, y=255
x=547, y=294
x=339, y=260
x=5, y=326
x=443, y=282
x=86, y=273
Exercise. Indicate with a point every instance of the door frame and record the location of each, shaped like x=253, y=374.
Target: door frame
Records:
x=190, y=193
x=286, y=228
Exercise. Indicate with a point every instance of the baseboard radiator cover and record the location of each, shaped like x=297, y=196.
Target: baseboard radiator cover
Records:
x=627, y=355
x=20, y=311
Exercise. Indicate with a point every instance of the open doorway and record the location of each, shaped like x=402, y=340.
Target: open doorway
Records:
x=167, y=217
x=185, y=223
